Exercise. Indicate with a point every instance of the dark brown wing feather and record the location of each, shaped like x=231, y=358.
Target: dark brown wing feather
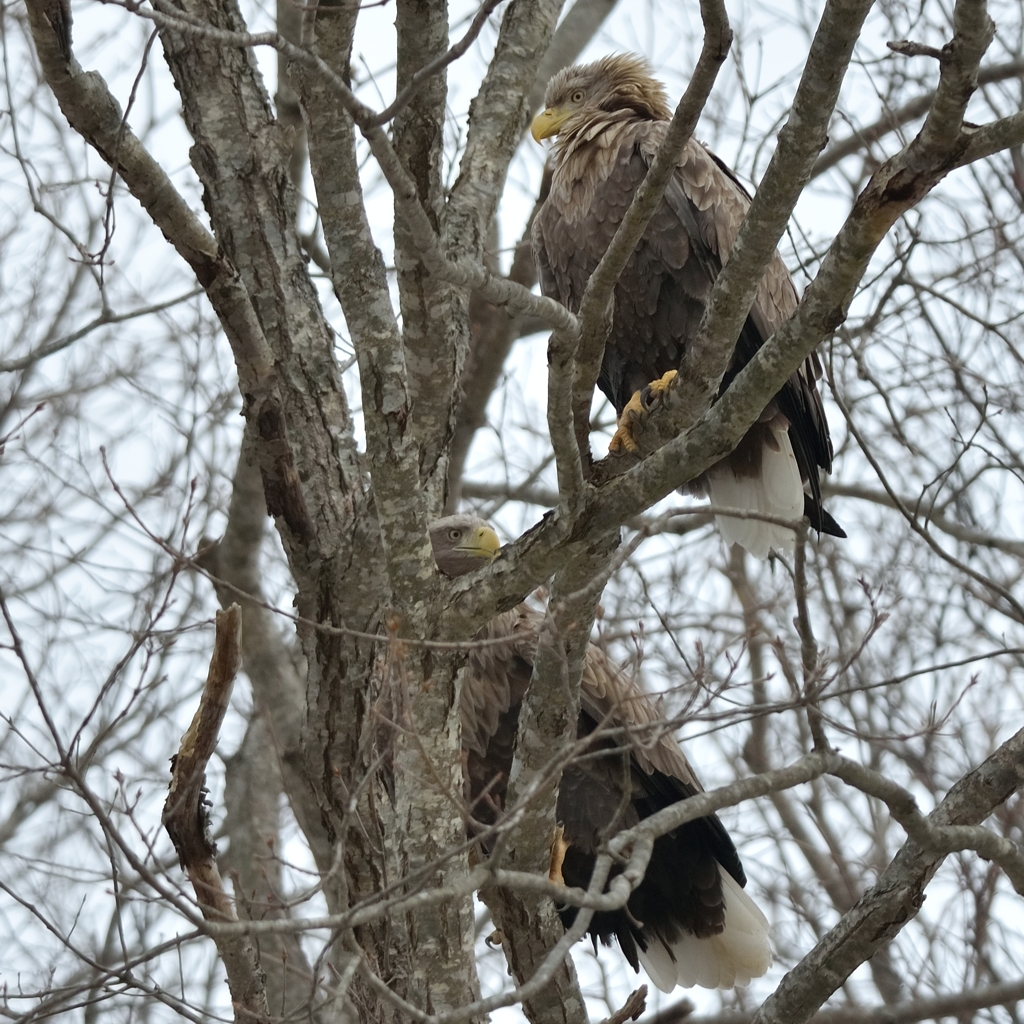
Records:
x=493, y=687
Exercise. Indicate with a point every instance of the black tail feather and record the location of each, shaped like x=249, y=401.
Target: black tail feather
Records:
x=821, y=521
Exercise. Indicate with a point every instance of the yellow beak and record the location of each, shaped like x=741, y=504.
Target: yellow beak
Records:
x=481, y=543
x=548, y=122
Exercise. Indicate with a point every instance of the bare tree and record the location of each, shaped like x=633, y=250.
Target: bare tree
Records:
x=360, y=242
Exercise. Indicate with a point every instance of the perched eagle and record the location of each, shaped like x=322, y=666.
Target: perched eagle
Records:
x=689, y=922
x=608, y=119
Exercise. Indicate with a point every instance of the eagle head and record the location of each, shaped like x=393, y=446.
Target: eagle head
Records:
x=579, y=95
x=462, y=543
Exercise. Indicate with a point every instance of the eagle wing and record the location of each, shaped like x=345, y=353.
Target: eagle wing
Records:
x=611, y=697
x=709, y=204
x=498, y=674
x=689, y=921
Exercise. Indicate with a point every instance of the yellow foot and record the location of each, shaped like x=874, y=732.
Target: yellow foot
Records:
x=558, y=850
x=636, y=409
x=496, y=938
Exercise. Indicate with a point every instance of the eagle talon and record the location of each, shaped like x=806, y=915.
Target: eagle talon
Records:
x=636, y=409
x=652, y=394
x=559, y=847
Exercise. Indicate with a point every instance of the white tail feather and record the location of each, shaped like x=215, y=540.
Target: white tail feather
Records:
x=733, y=957
x=744, y=942
x=657, y=961
x=776, y=492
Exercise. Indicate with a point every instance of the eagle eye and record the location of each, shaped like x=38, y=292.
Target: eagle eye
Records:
x=454, y=534
x=577, y=96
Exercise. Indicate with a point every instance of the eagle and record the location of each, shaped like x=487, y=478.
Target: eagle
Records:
x=608, y=120
x=689, y=922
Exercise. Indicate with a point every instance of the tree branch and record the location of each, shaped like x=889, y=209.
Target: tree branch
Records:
x=910, y=1011
x=993, y=138
x=494, y=330
x=895, y=119
x=187, y=821
x=897, y=895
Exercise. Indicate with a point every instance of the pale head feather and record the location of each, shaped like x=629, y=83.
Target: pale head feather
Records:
x=618, y=82
x=462, y=543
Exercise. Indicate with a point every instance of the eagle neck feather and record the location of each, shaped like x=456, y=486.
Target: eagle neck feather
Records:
x=586, y=157
x=602, y=127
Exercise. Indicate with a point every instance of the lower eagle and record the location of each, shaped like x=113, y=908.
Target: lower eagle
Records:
x=689, y=922
x=608, y=120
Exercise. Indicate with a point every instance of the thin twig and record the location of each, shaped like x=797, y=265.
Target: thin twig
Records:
x=808, y=645
x=435, y=66
x=893, y=120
